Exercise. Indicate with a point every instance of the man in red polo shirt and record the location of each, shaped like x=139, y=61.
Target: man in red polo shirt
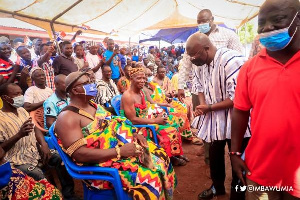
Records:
x=269, y=86
x=8, y=71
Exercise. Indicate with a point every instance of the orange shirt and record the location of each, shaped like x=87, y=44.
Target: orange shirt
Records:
x=272, y=91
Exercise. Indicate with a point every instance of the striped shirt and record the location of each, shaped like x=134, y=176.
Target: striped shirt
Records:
x=24, y=150
x=106, y=91
x=6, y=68
x=220, y=37
x=218, y=82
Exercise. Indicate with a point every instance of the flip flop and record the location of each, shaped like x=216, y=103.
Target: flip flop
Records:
x=184, y=158
x=178, y=162
x=196, y=141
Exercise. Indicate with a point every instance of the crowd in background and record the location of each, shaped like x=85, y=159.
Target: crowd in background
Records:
x=74, y=85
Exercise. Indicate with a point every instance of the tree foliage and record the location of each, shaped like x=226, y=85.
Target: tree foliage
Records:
x=247, y=33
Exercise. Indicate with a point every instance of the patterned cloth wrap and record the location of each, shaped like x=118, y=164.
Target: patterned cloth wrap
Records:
x=168, y=135
x=107, y=131
x=179, y=111
x=23, y=187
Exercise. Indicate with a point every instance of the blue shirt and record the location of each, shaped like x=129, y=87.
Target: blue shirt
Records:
x=123, y=60
x=169, y=75
x=53, y=106
x=135, y=58
x=113, y=65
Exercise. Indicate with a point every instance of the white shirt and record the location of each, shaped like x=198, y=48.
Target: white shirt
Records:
x=35, y=95
x=218, y=82
x=93, y=61
x=220, y=37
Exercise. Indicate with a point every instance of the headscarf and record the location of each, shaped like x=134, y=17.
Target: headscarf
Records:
x=134, y=71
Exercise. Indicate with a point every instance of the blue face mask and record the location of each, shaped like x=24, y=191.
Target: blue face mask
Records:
x=278, y=39
x=5, y=174
x=204, y=28
x=90, y=89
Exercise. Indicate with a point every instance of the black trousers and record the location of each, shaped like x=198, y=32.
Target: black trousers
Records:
x=217, y=167
x=55, y=161
x=195, y=101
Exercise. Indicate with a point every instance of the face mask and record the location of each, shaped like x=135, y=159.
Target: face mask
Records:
x=150, y=78
x=17, y=101
x=278, y=39
x=90, y=89
x=5, y=174
x=204, y=28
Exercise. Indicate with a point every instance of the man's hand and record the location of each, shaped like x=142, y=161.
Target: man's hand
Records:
x=169, y=100
x=238, y=166
x=46, y=154
x=85, y=65
x=26, y=128
x=101, y=63
x=201, y=110
x=142, y=140
x=50, y=50
x=25, y=71
x=128, y=150
x=181, y=95
x=116, y=52
x=161, y=119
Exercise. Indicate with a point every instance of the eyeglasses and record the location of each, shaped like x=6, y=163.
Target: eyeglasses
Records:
x=194, y=57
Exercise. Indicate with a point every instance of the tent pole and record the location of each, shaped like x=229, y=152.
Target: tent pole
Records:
x=139, y=47
x=129, y=42
x=58, y=16
x=159, y=44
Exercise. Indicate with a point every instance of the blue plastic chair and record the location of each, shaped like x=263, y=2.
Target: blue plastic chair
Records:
x=116, y=104
x=103, y=173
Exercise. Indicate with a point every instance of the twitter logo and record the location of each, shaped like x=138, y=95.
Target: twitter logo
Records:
x=243, y=188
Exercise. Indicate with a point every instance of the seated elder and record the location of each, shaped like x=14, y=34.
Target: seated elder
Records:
x=155, y=94
x=94, y=137
x=135, y=106
x=107, y=89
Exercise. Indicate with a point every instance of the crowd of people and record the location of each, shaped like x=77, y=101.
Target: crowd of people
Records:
x=204, y=93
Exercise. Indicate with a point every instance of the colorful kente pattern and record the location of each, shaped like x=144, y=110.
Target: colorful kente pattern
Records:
x=179, y=110
x=106, y=132
x=168, y=135
x=23, y=187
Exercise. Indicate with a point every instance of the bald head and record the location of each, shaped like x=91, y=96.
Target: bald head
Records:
x=200, y=49
x=278, y=14
x=293, y=5
x=60, y=83
x=205, y=12
x=59, y=79
x=197, y=40
x=148, y=72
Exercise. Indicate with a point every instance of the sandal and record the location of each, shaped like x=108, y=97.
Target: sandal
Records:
x=196, y=141
x=177, y=161
x=184, y=158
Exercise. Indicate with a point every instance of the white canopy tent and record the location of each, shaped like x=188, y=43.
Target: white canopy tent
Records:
x=125, y=17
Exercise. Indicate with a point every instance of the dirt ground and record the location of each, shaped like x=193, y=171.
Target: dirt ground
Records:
x=195, y=177
x=192, y=178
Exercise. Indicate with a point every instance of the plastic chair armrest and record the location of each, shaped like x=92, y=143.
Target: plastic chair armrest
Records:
x=152, y=128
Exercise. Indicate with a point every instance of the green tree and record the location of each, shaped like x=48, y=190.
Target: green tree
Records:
x=247, y=33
